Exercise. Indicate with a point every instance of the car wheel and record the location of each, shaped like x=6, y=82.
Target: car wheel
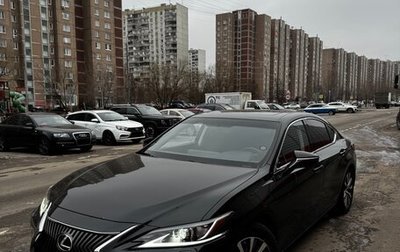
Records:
x=345, y=198
x=150, y=131
x=108, y=138
x=86, y=148
x=3, y=144
x=45, y=146
x=349, y=110
x=256, y=239
x=331, y=112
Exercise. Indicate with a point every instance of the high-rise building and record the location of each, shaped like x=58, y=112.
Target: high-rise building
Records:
x=314, y=75
x=298, y=69
x=155, y=36
x=333, y=74
x=350, y=87
x=70, y=51
x=197, y=60
x=362, y=78
x=280, y=52
x=242, y=53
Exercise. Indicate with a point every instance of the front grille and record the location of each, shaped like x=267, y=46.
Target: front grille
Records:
x=82, y=240
x=82, y=138
x=136, y=132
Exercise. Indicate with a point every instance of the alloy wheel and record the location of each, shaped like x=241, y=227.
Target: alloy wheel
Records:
x=253, y=244
x=44, y=146
x=348, y=190
x=3, y=144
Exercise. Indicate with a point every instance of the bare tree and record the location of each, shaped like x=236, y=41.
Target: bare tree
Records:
x=105, y=78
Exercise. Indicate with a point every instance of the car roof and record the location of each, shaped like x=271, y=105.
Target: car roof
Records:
x=276, y=116
x=93, y=111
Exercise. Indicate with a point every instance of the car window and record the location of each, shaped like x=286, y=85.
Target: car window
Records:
x=173, y=113
x=12, y=120
x=164, y=112
x=119, y=110
x=295, y=139
x=132, y=111
x=89, y=117
x=24, y=119
x=77, y=117
x=318, y=133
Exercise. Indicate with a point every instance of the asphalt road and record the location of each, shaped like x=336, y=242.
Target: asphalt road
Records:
x=373, y=224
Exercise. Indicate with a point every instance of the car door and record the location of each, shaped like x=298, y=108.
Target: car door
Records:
x=297, y=190
x=27, y=133
x=331, y=148
x=96, y=126
x=9, y=130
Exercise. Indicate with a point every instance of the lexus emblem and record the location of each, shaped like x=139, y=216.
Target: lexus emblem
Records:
x=64, y=242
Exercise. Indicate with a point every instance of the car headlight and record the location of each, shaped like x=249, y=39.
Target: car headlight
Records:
x=44, y=205
x=121, y=128
x=187, y=235
x=61, y=135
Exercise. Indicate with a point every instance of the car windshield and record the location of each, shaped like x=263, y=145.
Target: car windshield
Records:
x=278, y=106
x=147, y=110
x=48, y=120
x=233, y=142
x=262, y=105
x=111, y=116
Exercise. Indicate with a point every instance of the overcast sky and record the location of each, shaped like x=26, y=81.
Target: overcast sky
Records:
x=366, y=27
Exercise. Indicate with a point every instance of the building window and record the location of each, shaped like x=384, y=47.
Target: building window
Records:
x=3, y=43
x=15, y=46
x=96, y=12
x=12, y=5
x=106, y=3
x=66, y=28
x=65, y=3
x=67, y=40
x=67, y=52
x=14, y=18
x=98, y=45
x=1, y=2
x=1, y=14
x=96, y=1
x=65, y=16
x=107, y=26
x=97, y=23
x=2, y=29
x=107, y=47
x=96, y=34
x=108, y=57
x=68, y=64
x=15, y=33
x=107, y=14
x=98, y=56
x=107, y=36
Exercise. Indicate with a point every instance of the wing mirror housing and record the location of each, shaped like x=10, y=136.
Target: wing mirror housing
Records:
x=95, y=120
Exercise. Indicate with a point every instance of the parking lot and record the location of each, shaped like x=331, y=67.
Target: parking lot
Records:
x=373, y=224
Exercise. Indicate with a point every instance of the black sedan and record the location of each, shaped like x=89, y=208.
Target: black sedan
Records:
x=45, y=131
x=218, y=181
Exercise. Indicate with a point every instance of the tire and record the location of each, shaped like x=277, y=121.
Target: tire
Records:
x=331, y=112
x=3, y=144
x=150, y=131
x=349, y=110
x=86, y=148
x=255, y=239
x=44, y=146
x=108, y=138
x=398, y=124
x=345, y=198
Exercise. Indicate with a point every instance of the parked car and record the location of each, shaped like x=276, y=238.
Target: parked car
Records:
x=215, y=106
x=343, y=107
x=275, y=106
x=398, y=120
x=46, y=132
x=109, y=126
x=181, y=113
x=320, y=108
x=198, y=110
x=154, y=122
x=219, y=181
x=294, y=106
x=179, y=104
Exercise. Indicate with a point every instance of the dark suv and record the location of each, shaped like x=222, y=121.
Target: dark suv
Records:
x=153, y=121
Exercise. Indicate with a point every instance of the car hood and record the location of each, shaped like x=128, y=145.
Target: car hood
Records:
x=140, y=189
x=126, y=123
x=62, y=128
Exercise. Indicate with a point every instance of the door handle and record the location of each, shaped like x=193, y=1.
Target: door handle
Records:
x=318, y=169
x=342, y=152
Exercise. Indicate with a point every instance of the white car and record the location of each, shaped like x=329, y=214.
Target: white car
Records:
x=181, y=113
x=343, y=107
x=109, y=126
x=292, y=106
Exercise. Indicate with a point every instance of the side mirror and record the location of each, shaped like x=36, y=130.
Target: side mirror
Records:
x=303, y=158
x=71, y=121
x=95, y=120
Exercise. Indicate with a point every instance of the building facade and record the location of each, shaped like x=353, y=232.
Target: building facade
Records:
x=314, y=75
x=63, y=46
x=298, y=67
x=350, y=88
x=197, y=60
x=333, y=74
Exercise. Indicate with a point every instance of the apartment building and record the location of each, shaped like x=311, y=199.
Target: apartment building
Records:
x=69, y=51
x=314, y=75
x=242, y=52
x=298, y=65
x=197, y=60
x=362, y=79
x=350, y=88
x=157, y=35
x=333, y=74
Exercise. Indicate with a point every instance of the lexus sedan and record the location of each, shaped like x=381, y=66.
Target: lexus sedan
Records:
x=218, y=181
x=46, y=132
